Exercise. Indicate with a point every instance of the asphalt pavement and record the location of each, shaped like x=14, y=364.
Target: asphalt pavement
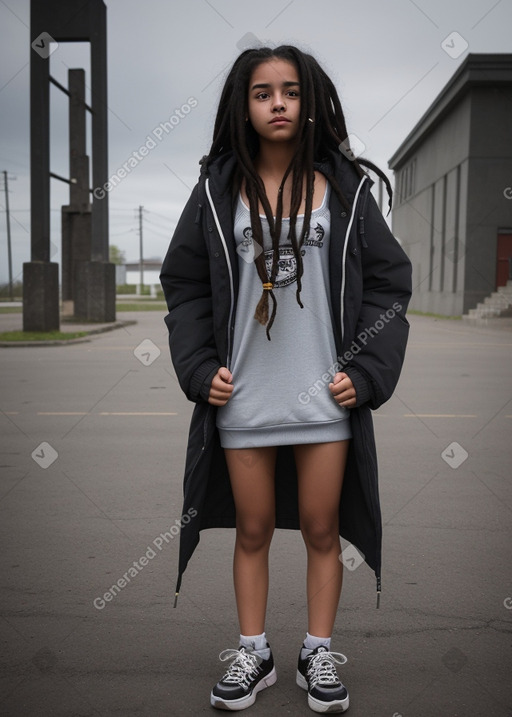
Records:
x=93, y=442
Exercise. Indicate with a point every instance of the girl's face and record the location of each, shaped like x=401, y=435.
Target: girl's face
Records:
x=274, y=100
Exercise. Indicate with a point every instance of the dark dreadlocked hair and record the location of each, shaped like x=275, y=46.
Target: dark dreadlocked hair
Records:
x=320, y=103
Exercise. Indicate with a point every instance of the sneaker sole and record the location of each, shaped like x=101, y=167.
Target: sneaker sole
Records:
x=319, y=706
x=243, y=702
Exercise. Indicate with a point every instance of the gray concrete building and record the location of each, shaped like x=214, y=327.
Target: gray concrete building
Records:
x=453, y=189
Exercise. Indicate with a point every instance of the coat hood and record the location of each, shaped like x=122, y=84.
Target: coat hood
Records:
x=221, y=171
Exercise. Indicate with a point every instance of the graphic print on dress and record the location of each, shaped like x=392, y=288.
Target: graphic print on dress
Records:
x=319, y=236
x=287, y=264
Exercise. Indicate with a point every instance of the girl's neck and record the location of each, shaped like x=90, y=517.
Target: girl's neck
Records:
x=274, y=158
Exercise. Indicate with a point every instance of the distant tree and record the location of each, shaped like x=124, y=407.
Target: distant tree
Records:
x=116, y=255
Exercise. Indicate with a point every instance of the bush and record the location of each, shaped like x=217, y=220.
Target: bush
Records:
x=17, y=291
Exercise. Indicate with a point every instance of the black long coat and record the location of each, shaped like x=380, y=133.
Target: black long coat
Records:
x=370, y=286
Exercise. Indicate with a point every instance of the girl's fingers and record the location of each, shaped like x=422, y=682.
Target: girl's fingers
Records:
x=219, y=398
x=341, y=382
x=217, y=402
x=225, y=374
x=343, y=390
x=221, y=387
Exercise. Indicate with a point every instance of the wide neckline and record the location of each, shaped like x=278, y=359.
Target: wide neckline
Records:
x=287, y=219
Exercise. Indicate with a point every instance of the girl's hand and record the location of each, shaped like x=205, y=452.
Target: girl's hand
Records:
x=343, y=390
x=221, y=388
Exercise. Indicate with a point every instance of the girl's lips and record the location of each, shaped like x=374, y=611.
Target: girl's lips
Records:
x=279, y=120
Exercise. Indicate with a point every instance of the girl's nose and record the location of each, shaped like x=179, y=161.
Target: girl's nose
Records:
x=279, y=104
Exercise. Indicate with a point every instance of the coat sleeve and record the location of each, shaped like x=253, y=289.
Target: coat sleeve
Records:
x=376, y=355
x=185, y=279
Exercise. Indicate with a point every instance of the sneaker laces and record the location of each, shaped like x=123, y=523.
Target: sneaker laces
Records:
x=243, y=668
x=322, y=668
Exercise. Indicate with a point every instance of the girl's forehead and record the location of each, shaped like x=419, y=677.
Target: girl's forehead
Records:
x=275, y=71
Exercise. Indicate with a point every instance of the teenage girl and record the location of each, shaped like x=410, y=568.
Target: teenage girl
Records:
x=287, y=296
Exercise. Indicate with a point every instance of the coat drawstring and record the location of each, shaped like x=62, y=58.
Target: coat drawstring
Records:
x=361, y=217
x=177, y=591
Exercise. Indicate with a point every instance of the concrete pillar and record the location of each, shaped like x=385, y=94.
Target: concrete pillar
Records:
x=62, y=21
x=40, y=296
x=95, y=291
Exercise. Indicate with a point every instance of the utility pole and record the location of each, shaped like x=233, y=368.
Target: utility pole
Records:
x=8, y=220
x=141, y=253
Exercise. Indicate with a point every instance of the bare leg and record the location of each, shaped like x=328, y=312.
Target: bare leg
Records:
x=320, y=469
x=251, y=473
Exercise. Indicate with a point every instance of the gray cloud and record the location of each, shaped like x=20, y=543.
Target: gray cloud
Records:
x=385, y=58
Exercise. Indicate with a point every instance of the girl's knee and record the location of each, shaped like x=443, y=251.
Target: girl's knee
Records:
x=320, y=536
x=254, y=535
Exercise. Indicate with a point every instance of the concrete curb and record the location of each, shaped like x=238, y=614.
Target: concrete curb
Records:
x=67, y=342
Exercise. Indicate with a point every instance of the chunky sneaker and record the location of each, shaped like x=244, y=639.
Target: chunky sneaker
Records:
x=247, y=674
x=317, y=674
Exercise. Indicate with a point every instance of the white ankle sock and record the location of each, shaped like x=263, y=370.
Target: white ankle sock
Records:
x=258, y=643
x=312, y=641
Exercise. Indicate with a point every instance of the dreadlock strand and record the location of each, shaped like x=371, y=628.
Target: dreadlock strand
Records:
x=384, y=177
x=310, y=185
x=273, y=314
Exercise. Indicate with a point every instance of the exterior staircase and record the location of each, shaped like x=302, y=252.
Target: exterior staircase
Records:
x=499, y=303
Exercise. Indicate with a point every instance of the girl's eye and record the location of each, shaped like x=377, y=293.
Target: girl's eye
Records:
x=265, y=95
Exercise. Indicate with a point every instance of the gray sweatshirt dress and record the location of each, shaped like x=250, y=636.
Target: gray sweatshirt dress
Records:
x=281, y=394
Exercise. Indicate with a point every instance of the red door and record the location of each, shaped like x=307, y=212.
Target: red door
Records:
x=503, y=257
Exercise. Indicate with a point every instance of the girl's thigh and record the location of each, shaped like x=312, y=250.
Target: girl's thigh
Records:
x=251, y=472
x=320, y=471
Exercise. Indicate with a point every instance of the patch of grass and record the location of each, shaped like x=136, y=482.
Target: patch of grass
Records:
x=141, y=306
x=434, y=316
x=41, y=335
x=132, y=289
x=144, y=305
x=126, y=289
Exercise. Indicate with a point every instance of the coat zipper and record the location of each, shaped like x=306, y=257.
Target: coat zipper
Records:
x=228, y=261
x=343, y=273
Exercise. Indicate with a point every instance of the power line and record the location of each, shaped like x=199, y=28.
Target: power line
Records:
x=167, y=219
x=157, y=224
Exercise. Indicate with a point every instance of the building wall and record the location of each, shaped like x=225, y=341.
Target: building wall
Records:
x=489, y=211
x=151, y=277
x=429, y=216
x=120, y=274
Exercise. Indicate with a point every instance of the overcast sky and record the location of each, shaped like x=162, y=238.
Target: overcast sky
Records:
x=389, y=60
